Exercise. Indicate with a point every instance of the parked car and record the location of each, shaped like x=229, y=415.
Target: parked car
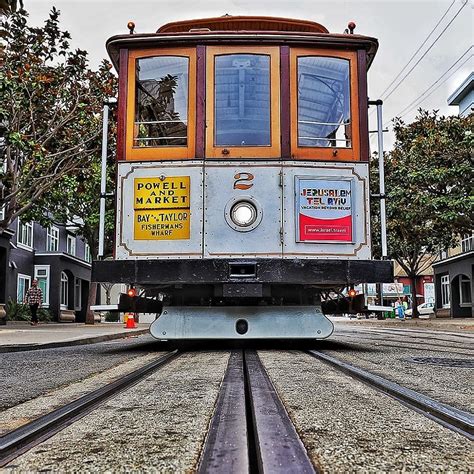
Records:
x=424, y=308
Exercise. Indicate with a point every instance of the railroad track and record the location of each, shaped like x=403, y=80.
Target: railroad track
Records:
x=456, y=420
x=22, y=439
x=250, y=430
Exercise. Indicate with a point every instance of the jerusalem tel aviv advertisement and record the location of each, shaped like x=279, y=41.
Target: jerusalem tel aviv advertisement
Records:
x=324, y=208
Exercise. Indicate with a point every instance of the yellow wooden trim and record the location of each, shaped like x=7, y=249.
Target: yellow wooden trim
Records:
x=322, y=153
x=165, y=152
x=272, y=151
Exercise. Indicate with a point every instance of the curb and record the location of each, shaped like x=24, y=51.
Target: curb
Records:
x=74, y=342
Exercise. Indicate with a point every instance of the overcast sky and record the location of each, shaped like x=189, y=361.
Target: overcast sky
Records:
x=401, y=26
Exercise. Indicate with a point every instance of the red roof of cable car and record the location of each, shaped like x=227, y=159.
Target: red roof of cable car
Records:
x=244, y=23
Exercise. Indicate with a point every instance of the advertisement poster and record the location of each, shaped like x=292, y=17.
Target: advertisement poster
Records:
x=161, y=208
x=324, y=208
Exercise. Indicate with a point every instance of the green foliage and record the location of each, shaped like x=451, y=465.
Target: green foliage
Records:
x=44, y=315
x=50, y=112
x=111, y=317
x=21, y=312
x=17, y=311
x=428, y=183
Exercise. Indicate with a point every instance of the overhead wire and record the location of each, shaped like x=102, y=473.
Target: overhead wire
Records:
x=426, y=51
x=419, y=48
x=417, y=101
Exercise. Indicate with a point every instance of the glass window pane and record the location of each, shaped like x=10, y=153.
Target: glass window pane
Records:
x=324, y=118
x=242, y=100
x=161, y=108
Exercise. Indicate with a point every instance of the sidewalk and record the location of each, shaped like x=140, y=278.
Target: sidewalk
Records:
x=20, y=336
x=442, y=324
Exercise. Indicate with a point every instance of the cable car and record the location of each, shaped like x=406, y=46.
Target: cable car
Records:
x=242, y=193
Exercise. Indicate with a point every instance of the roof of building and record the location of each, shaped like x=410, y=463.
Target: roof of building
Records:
x=458, y=95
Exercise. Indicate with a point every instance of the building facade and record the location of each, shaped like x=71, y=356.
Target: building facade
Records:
x=453, y=273
x=58, y=258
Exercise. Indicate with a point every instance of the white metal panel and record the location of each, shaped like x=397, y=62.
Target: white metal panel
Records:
x=259, y=183
x=127, y=247
x=357, y=173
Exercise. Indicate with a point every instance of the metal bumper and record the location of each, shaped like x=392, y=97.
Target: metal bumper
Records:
x=256, y=322
x=218, y=271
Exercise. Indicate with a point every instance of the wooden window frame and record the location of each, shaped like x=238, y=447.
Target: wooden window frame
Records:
x=323, y=153
x=274, y=149
x=135, y=153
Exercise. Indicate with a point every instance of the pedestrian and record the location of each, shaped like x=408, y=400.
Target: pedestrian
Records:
x=34, y=298
x=401, y=310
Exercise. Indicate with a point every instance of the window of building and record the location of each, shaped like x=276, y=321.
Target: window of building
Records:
x=23, y=284
x=162, y=103
x=25, y=235
x=71, y=245
x=467, y=243
x=77, y=294
x=445, y=292
x=52, y=239
x=465, y=296
x=42, y=275
x=443, y=254
x=64, y=297
x=87, y=253
x=242, y=102
x=324, y=108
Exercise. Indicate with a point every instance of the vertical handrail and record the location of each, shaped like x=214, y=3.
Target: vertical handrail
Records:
x=103, y=180
x=383, y=215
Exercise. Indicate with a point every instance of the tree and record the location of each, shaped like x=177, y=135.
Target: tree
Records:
x=8, y=6
x=428, y=182
x=76, y=201
x=50, y=111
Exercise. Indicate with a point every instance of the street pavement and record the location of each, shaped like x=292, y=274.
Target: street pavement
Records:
x=21, y=336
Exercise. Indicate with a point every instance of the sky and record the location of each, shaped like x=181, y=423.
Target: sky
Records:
x=401, y=26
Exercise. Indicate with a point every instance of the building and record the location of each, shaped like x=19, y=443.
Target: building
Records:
x=58, y=258
x=454, y=281
x=453, y=274
x=463, y=96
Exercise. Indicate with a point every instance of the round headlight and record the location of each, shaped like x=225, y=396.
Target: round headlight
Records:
x=243, y=213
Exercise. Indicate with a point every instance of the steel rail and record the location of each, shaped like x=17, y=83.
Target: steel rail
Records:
x=456, y=420
x=20, y=440
x=250, y=430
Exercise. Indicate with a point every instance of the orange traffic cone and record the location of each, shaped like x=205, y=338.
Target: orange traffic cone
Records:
x=130, y=324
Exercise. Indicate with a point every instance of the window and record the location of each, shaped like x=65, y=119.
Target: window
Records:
x=242, y=102
x=162, y=103
x=87, y=253
x=42, y=275
x=324, y=115
x=64, y=297
x=23, y=284
x=443, y=254
x=52, y=239
x=445, y=293
x=324, y=109
x=71, y=245
x=25, y=234
x=77, y=294
x=465, y=297
x=467, y=243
